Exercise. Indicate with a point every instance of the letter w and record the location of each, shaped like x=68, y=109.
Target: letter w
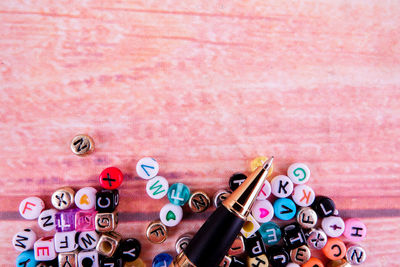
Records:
x=156, y=188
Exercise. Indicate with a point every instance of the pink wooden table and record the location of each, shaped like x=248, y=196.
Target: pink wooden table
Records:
x=204, y=88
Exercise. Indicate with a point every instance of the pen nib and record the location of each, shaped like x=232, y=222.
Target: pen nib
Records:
x=268, y=163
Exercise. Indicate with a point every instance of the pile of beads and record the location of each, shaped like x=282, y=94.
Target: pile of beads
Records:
x=263, y=243
x=85, y=224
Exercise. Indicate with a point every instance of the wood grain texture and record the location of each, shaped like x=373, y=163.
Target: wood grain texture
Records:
x=204, y=87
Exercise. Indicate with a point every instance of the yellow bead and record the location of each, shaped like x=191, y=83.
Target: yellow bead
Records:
x=82, y=144
x=339, y=263
x=156, y=232
x=136, y=263
x=259, y=261
x=108, y=243
x=259, y=161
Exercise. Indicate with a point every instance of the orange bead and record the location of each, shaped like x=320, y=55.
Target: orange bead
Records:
x=313, y=262
x=334, y=249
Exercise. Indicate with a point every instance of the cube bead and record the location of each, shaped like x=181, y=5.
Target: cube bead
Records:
x=108, y=244
x=254, y=245
x=65, y=221
x=106, y=222
x=69, y=259
x=277, y=256
x=237, y=247
x=85, y=220
x=250, y=226
x=44, y=249
x=107, y=200
x=65, y=241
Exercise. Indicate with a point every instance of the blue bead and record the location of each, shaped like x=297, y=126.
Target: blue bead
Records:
x=178, y=194
x=271, y=233
x=26, y=258
x=162, y=259
x=284, y=209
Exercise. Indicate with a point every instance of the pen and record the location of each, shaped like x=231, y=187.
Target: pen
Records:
x=213, y=240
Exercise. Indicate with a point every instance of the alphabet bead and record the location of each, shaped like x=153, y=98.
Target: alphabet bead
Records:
x=307, y=218
x=317, y=239
x=182, y=242
x=293, y=236
x=303, y=195
x=281, y=186
x=254, y=245
x=44, y=249
x=108, y=244
x=258, y=261
x=107, y=200
x=24, y=240
x=171, y=215
x=178, y=194
x=82, y=145
x=85, y=198
x=300, y=255
x=235, y=180
x=265, y=191
x=324, y=206
x=88, y=258
x=226, y=262
x=136, y=263
x=147, y=168
x=69, y=259
x=47, y=219
x=111, y=178
x=53, y=263
x=88, y=240
x=162, y=259
x=237, y=262
x=258, y=162
x=277, y=256
x=263, y=211
x=85, y=220
x=65, y=221
x=31, y=207
x=250, y=226
x=292, y=264
x=157, y=187
x=130, y=249
x=26, y=259
x=333, y=226
x=356, y=255
x=199, y=201
x=156, y=232
x=338, y=263
x=112, y=262
x=334, y=249
x=220, y=196
x=63, y=198
x=65, y=241
x=313, y=262
x=284, y=209
x=299, y=173
x=355, y=230
x=271, y=233
x=106, y=222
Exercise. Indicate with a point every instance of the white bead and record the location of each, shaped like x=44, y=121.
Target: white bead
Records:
x=250, y=226
x=89, y=255
x=265, y=191
x=303, y=195
x=65, y=241
x=262, y=211
x=88, y=240
x=47, y=219
x=24, y=240
x=85, y=198
x=44, y=249
x=333, y=226
x=31, y=207
x=291, y=264
x=299, y=173
x=171, y=215
x=281, y=186
x=157, y=187
x=147, y=168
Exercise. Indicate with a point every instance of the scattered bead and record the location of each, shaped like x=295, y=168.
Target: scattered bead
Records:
x=199, y=202
x=299, y=173
x=85, y=198
x=333, y=226
x=108, y=243
x=291, y=264
x=237, y=262
x=271, y=233
x=171, y=215
x=307, y=217
x=106, y=222
x=24, y=240
x=65, y=221
x=355, y=230
x=265, y=191
x=85, y=220
x=156, y=232
x=236, y=180
x=47, y=219
x=136, y=263
x=44, y=249
x=293, y=236
x=284, y=209
x=63, y=198
x=258, y=162
x=334, y=249
x=111, y=178
x=111, y=262
x=147, y=168
x=300, y=255
x=356, y=254
x=277, y=256
x=26, y=259
x=258, y=261
x=178, y=194
x=254, y=245
x=68, y=259
x=31, y=207
x=107, y=200
x=182, y=242
x=88, y=240
x=281, y=186
x=157, y=187
x=65, y=241
x=303, y=195
x=249, y=227
x=130, y=249
x=324, y=206
x=313, y=262
x=88, y=258
x=220, y=196
x=162, y=260
x=338, y=263
x=263, y=211
x=317, y=239
x=82, y=144
x=226, y=262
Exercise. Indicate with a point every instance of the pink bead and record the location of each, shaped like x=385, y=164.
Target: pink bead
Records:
x=84, y=220
x=355, y=230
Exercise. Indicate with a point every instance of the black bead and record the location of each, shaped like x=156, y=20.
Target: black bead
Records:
x=277, y=256
x=254, y=245
x=293, y=236
x=237, y=262
x=107, y=200
x=130, y=249
x=236, y=180
x=324, y=206
x=110, y=262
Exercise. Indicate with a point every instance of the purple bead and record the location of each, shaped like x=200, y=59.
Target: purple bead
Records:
x=84, y=220
x=65, y=221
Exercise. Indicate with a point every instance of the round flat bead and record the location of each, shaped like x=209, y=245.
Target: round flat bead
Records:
x=259, y=161
x=182, y=242
x=178, y=194
x=299, y=173
x=31, y=207
x=63, y=198
x=85, y=198
x=136, y=263
x=333, y=226
x=324, y=206
x=307, y=217
x=47, y=219
x=258, y=261
x=355, y=230
x=88, y=239
x=111, y=178
x=338, y=263
x=130, y=249
x=277, y=256
x=147, y=168
x=220, y=196
x=270, y=233
x=26, y=259
x=303, y=195
x=235, y=180
x=157, y=187
x=293, y=236
x=199, y=201
x=284, y=209
x=292, y=264
x=334, y=249
x=156, y=232
x=265, y=191
x=162, y=260
x=356, y=255
x=313, y=262
x=171, y=215
x=317, y=239
x=24, y=240
x=262, y=211
x=300, y=255
x=82, y=145
x=281, y=186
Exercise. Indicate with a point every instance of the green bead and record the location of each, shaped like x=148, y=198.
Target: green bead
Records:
x=270, y=232
x=178, y=194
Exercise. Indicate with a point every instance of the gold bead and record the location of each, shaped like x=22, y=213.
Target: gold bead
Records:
x=156, y=232
x=182, y=242
x=199, y=202
x=106, y=222
x=136, y=263
x=226, y=262
x=338, y=263
x=108, y=243
x=259, y=261
x=259, y=161
x=68, y=259
x=237, y=247
x=82, y=144
x=63, y=198
x=220, y=196
x=300, y=255
x=307, y=217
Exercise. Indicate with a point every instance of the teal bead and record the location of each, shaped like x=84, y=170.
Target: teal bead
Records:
x=284, y=209
x=26, y=259
x=270, y=233
x=178, y=194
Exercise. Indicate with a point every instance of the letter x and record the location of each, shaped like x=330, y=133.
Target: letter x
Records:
x=108, y=179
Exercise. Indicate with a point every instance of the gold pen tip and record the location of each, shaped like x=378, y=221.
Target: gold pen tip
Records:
x=268, y=163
